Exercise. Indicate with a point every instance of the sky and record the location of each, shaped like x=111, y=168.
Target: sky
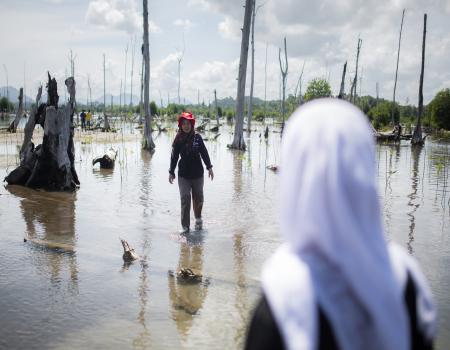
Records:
x=37, y=36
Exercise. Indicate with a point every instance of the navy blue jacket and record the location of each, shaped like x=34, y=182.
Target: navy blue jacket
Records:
x=190, y=165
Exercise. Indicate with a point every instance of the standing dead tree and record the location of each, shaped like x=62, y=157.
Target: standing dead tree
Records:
x=298, y=87
x=216, y=108
x=13, y=126
x=238, y=139
x=355, y=79
x=284, y=73
x=179, y=59
x=106, y=122
x=417, y=134
x=125, y=78
x=265, y=86
x=133, y=54
x=51, y=165
x=141, y=101
x=252, y=77
x=342, y=89
x=396, y=71
x=147, y=142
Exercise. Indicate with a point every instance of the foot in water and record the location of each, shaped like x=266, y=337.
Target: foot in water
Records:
x=198, y=224
x=184, y=229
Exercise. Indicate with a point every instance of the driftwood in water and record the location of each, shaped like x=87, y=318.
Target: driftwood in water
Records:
x=395, y=135
x=50, y=165
x=13, y=126
x=129, y=254
x=107, y=160
x=186, y=275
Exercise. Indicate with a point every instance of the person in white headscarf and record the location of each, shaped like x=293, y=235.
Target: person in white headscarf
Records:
x=335, y=283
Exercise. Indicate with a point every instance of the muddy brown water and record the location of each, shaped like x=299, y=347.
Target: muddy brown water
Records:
x=67, y=287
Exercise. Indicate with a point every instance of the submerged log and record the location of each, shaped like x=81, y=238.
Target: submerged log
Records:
x=50, y=165
x=107, y=160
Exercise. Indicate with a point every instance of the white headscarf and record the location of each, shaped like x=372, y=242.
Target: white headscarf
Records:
x=335, y=253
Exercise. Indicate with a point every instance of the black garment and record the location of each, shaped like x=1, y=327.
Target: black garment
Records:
x=190, y=165
x=263, y=332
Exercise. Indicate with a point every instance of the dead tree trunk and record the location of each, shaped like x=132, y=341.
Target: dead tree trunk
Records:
x=27, y=146
x=51, y=165
x=342, y=90
x=265, y=86
x=106, y=124
x=216, y=107
x=141, y=101
x=355, y=80
x=284, y=72
x=13, y=126
x=417, y=135
x=147, y=140
x=252, y=77
x=396, y=71
x=238, y=140
x=133, y=53
x=299, y=86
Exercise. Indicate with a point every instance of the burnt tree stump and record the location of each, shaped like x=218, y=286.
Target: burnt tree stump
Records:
x=49, y=166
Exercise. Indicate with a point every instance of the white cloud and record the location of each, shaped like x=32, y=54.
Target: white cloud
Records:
x=229, y=29
x=117, y=14
x=184, y=23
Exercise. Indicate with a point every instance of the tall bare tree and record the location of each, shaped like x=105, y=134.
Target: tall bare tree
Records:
x=396, y=69
x=106, y=126
x=298, y=87
x=141, y=100
x=265, y=86
x=125, y=78
x=133, y=54
x=238, y=139
x=147, y=143
x=252, y=77
x=180, y=59
x=216, y=108
x=417, y=135
x=355, y=79
x=284, y=73
x=342, y=89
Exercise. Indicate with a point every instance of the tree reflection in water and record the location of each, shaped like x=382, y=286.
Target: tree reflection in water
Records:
x=50, y=233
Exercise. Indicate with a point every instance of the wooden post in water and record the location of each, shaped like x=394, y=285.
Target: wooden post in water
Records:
x=417, y=134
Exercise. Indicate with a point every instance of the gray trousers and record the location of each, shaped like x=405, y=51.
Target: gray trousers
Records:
x=186, y=187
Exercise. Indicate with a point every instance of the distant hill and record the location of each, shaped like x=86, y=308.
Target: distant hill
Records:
x=116, y=99
x=13, y=95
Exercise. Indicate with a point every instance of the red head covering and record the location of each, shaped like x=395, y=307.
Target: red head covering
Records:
x=187, y=116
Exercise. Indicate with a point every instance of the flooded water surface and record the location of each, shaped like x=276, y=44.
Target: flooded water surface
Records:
x=66, y=287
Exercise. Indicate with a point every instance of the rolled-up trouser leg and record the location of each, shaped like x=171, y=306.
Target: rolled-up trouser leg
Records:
x=197, y=196
x=185, y=196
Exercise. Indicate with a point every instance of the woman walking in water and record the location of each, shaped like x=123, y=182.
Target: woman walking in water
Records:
x=190, y=146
